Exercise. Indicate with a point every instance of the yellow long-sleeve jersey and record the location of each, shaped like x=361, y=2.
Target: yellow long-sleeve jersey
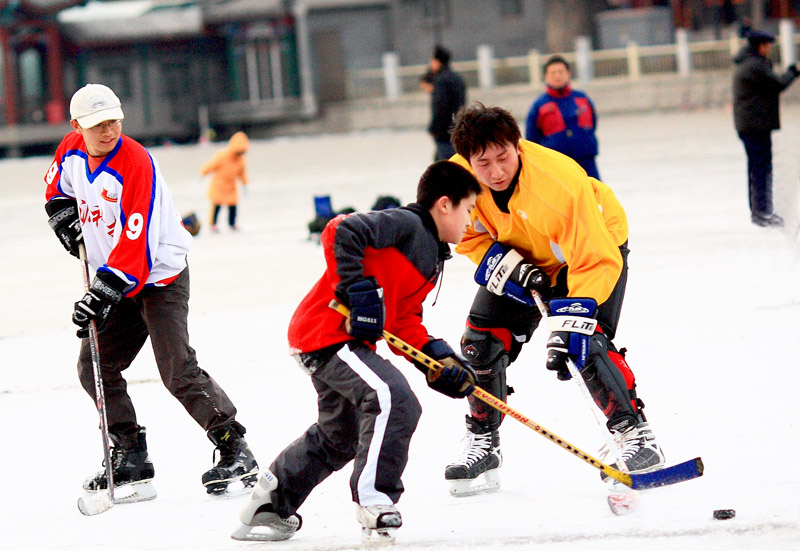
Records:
x=558, y=216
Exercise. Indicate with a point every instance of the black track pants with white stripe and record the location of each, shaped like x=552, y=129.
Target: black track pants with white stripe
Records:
x=367, y=413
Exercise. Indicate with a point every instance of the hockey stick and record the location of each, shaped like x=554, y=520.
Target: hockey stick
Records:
x=584, y=390
x=620, y=502
x=670, y=475
x=97, y=502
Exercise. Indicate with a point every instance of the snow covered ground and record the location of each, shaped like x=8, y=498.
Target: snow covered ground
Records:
x=711, y=321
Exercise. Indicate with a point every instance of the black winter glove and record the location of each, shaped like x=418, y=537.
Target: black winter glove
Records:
x=367, y=310
x=65, y=222
x=455, y=378
x=530, y=277
x=105, y=292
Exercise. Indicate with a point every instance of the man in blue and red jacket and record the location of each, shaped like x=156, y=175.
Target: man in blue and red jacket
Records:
x=564, y=119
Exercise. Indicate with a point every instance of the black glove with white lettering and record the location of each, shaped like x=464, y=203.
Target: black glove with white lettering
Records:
x=455, y=378
x=367, y=311
x=65, y=222
x=105, y=292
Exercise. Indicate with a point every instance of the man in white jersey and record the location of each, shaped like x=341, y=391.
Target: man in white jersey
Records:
x=106, y=191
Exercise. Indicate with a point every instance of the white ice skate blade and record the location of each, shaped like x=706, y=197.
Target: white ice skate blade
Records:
x=236, y=489
x=99, y=501
x=377, y=536
x=486, y=483
x=135, y=492
x=259, y=533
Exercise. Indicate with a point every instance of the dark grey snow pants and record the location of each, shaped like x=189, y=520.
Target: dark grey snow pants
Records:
x=367, y=413
x=160, y=313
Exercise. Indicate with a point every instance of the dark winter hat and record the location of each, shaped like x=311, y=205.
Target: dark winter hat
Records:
x=441, y=55
x=759, y=37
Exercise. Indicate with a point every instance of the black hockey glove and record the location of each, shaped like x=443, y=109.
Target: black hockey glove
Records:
x=455, y=378
x=105, y=292
x=65, y=222
x=504, y=272
x=367, y=311
x=572, y=325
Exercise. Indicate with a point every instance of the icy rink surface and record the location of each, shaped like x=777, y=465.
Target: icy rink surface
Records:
x=711, y=321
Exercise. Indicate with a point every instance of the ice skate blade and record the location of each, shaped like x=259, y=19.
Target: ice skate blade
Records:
x=377, y=536
x=259, y=533
x=486, y=483
x=267, y=526
x=217, y=487
x=135, y=492
x=99, y=501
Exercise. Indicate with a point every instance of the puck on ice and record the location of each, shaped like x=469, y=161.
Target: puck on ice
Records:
x=724, y=514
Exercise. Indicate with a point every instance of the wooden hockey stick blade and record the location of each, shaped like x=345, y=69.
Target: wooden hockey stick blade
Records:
x=664, y=477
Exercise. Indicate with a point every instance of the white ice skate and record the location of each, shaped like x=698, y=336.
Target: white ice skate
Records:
x=378, y=523
x=259, y=520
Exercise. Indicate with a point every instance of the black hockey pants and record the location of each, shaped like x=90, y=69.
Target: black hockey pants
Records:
x=160, y=313
x=367, y=413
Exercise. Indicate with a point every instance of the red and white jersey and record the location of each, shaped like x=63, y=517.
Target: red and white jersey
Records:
x=129, y=222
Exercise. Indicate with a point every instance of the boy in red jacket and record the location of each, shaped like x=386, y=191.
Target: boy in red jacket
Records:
x=382, y=265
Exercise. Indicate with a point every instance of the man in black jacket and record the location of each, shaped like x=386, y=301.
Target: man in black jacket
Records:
x=756, y=90
x=448, y=96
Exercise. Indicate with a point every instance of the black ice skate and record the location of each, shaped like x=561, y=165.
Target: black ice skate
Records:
x=130, y=467
x=236, y=461
x=637, y=446
x=378, y=523
x=477, y=470
x=259, y=520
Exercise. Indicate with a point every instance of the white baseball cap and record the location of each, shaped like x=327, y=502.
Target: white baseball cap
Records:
x=93, y=104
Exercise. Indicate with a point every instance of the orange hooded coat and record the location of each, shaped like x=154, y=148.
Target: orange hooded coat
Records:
x=228, y=165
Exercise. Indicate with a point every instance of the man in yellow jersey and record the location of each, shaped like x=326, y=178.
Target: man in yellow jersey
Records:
x=543, y=227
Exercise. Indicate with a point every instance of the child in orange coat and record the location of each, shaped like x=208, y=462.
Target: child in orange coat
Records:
x=228, y=166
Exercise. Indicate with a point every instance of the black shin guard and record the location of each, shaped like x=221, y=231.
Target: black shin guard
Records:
x=611, y=383
x=488, y=356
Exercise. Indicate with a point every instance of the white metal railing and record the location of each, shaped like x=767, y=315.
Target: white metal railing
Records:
x=682, y=58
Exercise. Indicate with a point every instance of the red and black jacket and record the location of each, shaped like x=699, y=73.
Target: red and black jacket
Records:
x=400, y=248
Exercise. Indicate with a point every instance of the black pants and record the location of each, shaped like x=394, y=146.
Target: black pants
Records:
x=367, y=413
x=160, y=313
x=758, y=147
x=231, y=215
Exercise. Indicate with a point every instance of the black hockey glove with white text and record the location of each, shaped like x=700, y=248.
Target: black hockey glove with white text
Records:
x=455, y=378
x=65, y=222
x=367, y=310
x=105, y=292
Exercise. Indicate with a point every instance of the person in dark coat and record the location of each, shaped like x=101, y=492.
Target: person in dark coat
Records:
x=448, y=96
x=756, y=112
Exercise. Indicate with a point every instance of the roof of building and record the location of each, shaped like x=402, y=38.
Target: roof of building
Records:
x=131, y=20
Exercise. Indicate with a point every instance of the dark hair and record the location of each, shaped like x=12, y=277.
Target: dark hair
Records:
x=477, y=127
x=446, y=179
x=553, y=60
x=441, y=54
